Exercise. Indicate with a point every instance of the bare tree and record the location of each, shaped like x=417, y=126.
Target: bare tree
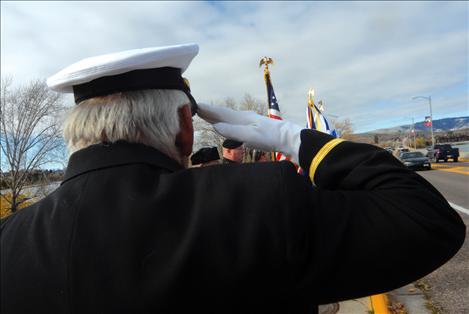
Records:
x=30, y=132
x=206, y=135
x=252, y=104
x=345, y=129
x=230, y=102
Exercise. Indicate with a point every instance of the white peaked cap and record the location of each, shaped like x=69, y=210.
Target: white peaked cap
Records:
x=89, y=69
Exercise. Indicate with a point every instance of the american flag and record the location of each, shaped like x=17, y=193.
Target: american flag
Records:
x=428, y=121
x=274, y=110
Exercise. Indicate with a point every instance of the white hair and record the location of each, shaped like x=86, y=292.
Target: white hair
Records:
x=147, y=117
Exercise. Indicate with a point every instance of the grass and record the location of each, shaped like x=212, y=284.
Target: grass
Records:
x=5, y=203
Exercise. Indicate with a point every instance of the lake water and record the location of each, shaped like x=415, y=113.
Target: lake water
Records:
x=37, y=190
x=464, y=147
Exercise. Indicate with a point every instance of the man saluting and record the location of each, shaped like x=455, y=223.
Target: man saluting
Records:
x=132, y=230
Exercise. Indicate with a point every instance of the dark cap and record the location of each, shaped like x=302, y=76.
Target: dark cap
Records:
x=231, y=144
x=205, y=155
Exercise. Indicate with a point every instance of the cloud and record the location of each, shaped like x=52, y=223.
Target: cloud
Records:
x=364, y=59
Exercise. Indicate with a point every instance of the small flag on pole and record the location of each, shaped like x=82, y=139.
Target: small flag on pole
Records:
x=273, y=108
x=428, y=121
x=314, y=116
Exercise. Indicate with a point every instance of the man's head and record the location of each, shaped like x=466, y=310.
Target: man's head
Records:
x=233, y=150
x=137, y=96
x=152, y=117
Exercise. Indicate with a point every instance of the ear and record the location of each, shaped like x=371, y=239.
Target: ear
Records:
x=185, y=137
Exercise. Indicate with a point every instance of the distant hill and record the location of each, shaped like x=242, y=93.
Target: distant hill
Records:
x=441, y=125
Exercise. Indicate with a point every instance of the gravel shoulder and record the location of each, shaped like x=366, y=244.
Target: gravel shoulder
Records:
x=448, y=286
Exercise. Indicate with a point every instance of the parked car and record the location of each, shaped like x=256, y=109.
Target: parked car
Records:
x=415, y=160
x=399, y=151
x=443, y=152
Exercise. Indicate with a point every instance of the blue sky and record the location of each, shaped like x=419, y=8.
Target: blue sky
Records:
x=365, y=59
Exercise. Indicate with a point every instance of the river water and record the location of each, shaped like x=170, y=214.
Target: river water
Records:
x=463, y=147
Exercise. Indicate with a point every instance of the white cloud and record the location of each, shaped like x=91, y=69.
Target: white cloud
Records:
x=365, y=59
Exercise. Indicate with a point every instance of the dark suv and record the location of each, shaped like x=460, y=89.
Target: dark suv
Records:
x=443, y=152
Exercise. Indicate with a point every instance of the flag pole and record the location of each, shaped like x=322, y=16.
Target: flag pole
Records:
x=310, y=109
x=266, y=61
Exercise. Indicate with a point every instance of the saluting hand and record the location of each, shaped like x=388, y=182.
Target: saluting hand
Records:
x=256, y=131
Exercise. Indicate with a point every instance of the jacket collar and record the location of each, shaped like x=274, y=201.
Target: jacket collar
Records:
x=229, y=161
x=107, y=155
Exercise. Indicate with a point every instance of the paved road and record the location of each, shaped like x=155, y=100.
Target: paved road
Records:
x=449, y=285
x=452, y=180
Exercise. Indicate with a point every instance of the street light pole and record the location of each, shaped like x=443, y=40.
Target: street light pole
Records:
x=429, y=98
x=431, y=117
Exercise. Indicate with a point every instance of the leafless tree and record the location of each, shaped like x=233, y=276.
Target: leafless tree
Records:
x=30, y=132
x=252, y=104
x=345, y=129
x=206, y=135
x=230, y=102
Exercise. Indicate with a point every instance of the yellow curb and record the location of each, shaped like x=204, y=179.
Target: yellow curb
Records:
x=443, y=166
x=460, y=170
x=451, y=167
x=379, y=304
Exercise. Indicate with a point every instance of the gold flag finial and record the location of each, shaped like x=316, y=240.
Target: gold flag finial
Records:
x=320, y=106
x=266, y=61
x=311, y=97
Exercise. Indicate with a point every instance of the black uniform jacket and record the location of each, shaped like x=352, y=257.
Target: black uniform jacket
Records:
x=130, y=231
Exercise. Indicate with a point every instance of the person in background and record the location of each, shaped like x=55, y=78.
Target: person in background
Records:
x=205, y=156
x=260, y=156
x=233, y=151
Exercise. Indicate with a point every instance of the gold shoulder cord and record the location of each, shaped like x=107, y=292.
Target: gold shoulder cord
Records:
x=321, y=155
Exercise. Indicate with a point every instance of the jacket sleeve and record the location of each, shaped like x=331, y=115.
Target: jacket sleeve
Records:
x=370, y=224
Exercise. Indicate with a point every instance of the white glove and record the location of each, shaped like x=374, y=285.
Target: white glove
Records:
x=256, y=131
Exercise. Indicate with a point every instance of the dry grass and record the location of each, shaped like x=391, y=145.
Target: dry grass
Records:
x=5, y=203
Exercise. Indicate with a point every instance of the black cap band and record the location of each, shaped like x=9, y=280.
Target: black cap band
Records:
x=159, y=78
x=231, y=144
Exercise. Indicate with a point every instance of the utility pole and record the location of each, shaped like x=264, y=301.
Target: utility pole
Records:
x=429, y=98
x=413, y=131
x=431, y=118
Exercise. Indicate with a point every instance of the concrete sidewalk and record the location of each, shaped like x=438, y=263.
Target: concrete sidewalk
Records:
x=412, y=298
x=355, y=306
x=358, y=306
